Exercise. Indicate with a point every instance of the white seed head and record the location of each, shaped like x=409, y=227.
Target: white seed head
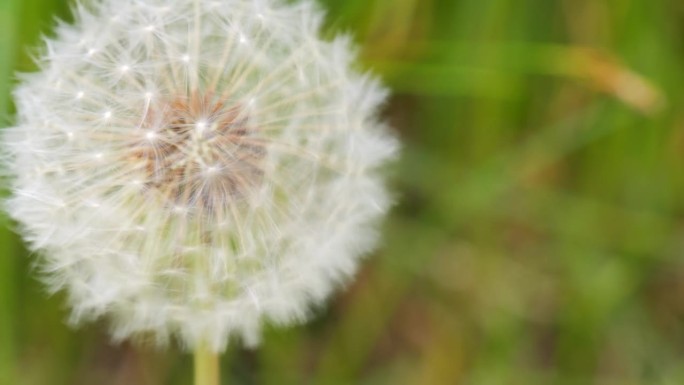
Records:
x=202, y=167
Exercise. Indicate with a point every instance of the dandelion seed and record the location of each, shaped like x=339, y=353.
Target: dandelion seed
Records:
x=238, y=186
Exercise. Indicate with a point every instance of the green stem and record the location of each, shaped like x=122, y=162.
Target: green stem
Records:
x=207, y=371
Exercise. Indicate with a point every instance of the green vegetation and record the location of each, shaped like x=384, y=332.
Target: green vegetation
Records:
x=538, y=236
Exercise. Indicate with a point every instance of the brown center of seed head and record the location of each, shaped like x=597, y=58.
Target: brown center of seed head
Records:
x=200, y=151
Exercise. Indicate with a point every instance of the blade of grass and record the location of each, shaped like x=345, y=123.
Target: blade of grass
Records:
x=8, y=16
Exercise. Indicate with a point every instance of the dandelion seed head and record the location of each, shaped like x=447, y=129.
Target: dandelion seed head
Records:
x=220, y=171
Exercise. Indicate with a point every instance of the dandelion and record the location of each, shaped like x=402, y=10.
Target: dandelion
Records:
x=195, y=168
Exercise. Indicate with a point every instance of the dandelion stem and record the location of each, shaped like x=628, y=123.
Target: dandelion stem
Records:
x=207, y=371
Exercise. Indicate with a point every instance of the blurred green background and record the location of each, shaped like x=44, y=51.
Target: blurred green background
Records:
x=539, y=232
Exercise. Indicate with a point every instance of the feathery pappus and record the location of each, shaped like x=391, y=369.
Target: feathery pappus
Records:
x=197, y=168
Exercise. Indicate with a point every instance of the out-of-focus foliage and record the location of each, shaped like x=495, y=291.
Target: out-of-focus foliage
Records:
x=539, y=232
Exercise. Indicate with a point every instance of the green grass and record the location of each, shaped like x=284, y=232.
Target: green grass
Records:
x=538, y=235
